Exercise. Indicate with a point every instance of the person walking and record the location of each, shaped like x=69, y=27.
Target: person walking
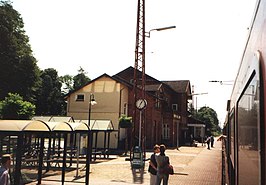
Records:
x=4, y=170
x=162, y=161
x=212, y=141
x=153, y=165
x=208, y=140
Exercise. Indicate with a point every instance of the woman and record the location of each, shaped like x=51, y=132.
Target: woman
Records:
x=153, y=165
x=162, y=161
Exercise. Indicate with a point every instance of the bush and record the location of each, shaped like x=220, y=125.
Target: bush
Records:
x=125, y=122
x=13, y=107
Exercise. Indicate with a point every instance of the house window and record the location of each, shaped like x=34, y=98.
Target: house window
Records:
x=166, y=131
x=80, y=97
x=174, y=107
x=125, y=109
x=157, y=104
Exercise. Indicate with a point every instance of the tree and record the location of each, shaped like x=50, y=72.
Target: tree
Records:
x=80, y=79
x=19, y=72
x=13, y=107
x=67, y=83
x=209, y=116
x=50, y=100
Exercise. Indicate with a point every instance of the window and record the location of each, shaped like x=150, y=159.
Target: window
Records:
x=166, y=131
x=125, y=109
x=249, y=134
x=232, y=136
x=157, y=104
x=80, y=97
x=174, y=107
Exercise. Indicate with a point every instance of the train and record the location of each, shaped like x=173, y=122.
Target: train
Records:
x=244, y=128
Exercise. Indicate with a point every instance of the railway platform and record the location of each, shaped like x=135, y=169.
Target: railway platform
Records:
x=192, y=165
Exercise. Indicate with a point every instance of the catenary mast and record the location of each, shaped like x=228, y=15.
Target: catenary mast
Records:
x=139, y=76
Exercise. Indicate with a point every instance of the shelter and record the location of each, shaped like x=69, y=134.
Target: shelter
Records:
x=196, y=129
x=22, y=132
x=100, y=128
x=54, y=118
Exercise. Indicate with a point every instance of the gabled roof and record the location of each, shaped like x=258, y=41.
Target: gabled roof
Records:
x=103, y=75
x=154, y=87
x=180, y=86
x=128, y=75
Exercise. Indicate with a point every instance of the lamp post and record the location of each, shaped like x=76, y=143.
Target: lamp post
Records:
x=148, y=34
x=195, y=94
x=89, y=140
x=229, y=82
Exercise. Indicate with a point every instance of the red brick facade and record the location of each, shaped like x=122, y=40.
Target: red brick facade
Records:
x=166, y=113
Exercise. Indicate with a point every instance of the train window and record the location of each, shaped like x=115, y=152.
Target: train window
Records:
x=232, y=137
x=248, y=133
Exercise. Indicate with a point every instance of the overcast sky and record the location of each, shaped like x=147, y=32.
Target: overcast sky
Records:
x=100, y=35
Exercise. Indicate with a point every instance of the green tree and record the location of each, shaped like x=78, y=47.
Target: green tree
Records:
x=80, y=79
x=67, y=83
x=209, y=116
x=19, y=72
x=13, y=107
x=50, y=100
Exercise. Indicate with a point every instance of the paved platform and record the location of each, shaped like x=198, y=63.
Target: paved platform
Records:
x=192, y=165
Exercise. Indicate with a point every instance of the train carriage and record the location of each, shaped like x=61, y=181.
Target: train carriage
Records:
x=245, y=122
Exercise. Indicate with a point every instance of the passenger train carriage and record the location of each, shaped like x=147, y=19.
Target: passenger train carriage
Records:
x=246, y=118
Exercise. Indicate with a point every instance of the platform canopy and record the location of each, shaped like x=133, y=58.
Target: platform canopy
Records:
x=193, y=122
x=100, y=125
x=54, y=118
x=40, y=126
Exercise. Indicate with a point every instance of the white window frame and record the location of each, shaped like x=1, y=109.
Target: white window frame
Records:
x=77, y=97
x=125, y=108
x=174, y=107
x=166, y=131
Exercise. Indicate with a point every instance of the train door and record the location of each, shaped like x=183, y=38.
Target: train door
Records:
x=248, y=128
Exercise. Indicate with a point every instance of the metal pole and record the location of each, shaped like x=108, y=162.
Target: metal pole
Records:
x=88, y=156
x=78, y=140
x=17, y=173
x=89, y=150
x=140, y=114
x=64, y=159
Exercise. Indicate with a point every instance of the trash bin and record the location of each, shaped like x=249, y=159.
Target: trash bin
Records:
x=137, y=159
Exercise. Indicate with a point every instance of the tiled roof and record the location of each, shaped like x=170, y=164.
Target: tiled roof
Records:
x=180, y=86
x=154, y=87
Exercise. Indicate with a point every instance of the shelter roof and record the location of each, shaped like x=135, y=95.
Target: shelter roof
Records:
x=40, y=126
x=23, y=125
x=195, y=122
x=41, y=118
x=54, y=118
x=100, y=125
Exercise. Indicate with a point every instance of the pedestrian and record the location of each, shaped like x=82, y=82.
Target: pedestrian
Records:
x=153, y=165
x=191, y=140
x=4, y=170
x=162, y=161
x=208, y=140
x=212, y=141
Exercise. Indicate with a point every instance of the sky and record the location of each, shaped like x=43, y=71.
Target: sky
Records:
x=100, y=35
